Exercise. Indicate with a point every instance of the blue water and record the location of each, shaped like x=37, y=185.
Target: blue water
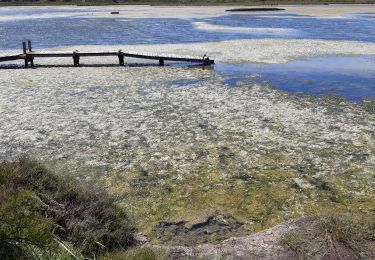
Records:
x=75, y=30
x=352, y=77
x=361, y=28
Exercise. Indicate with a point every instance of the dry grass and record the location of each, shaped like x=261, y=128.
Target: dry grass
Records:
x=334, y=236
x=297, y=243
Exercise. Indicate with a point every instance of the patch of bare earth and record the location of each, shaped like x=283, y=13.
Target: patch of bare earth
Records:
x=264, y=245
x=301, y=238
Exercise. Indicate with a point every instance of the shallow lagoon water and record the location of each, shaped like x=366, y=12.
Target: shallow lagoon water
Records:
x=78, y=26
x=354, y=27
x=350, y=76
x=184, y=150
x=75, y=26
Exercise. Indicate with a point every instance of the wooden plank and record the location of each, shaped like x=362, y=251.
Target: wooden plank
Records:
x=10, y=58
x=131, y=55
x=51, y=55
x=28, y=56
x=98, y=54
x=70, y=54
x=166, y=58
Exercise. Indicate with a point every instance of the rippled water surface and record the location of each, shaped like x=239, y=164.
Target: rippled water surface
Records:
x=62, y=26
x=77, y=26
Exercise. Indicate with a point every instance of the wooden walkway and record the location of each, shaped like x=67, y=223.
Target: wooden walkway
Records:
x=29, y=55
x=10, y=58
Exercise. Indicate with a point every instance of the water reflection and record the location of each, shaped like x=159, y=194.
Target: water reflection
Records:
x=349, y=76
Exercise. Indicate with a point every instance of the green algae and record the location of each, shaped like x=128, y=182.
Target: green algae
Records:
x=279, y=185
x=258, y=198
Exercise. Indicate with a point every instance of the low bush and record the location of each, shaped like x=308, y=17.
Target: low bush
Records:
x=24, y=232
x=348, y=228
x=39, y=210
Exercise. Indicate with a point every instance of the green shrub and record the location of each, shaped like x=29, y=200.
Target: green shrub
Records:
x=24, y=232
x=86, y=217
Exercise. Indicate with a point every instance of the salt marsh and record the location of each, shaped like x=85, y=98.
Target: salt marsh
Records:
x=173, y=151
x=183, y=144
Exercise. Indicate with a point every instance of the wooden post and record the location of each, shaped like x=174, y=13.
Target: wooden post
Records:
x=206, y=60
x=24, y=50
x=76, y=59
x=121, y=58
x=30, y=49
x=29, y=46
x=32, y=62
x=29, y=59
x=161, y=62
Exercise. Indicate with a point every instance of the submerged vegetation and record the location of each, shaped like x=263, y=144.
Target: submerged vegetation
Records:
x=46, y=216
x=182, y=150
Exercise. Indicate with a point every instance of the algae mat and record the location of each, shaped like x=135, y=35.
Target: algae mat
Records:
x=179, y=145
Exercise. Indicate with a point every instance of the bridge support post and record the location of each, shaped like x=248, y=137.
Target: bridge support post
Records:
x=206, y=60
x=24, y=51
x=26, y=47
x=31, y=62
x=161, y=62
x=75, y=59
x=29, y=47
x=29, y=59
x=121, y=58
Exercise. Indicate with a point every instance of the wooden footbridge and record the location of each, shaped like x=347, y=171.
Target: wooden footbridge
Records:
x=28, y=55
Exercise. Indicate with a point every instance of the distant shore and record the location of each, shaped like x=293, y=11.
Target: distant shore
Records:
x=182, y=2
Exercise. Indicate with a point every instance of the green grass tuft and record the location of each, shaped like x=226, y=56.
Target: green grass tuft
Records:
x=297, y=243
x=348, y=228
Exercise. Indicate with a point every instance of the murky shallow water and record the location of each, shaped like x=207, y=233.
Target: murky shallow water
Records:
x=183, y=150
